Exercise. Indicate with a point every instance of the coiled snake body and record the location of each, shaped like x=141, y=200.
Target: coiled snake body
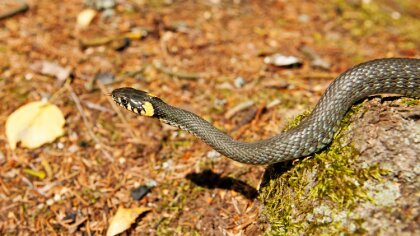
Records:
x=393, y=75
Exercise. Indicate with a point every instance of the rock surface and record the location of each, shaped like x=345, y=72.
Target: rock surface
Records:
x=366, y=182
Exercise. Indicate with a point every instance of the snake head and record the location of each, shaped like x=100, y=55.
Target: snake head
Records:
x=137, y=101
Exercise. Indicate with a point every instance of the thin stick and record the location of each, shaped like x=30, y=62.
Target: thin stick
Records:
x=182, y=75
x=117, y=110
x=22, y=8
x=59, y=92
x=87, y=124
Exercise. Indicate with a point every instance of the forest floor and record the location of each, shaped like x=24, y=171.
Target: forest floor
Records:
x=206, y=56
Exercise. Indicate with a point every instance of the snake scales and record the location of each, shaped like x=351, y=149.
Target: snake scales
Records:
x=393, y=75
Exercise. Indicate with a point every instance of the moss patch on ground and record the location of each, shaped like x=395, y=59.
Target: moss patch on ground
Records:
x=315, y=195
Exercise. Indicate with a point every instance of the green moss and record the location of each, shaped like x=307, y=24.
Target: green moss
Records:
x=296, y=204
x=296, y=121
x=180, y=143
x=410, y=101
x=90, y=194
x=365, y=19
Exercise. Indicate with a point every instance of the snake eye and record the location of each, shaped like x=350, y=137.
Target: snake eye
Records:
x=124, y=101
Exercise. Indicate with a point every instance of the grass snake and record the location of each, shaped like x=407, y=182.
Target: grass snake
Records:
x=391, y=75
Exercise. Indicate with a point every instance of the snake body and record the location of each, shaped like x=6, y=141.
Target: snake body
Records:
x=392, y=75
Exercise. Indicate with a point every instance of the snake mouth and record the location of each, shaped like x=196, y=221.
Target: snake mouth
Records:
x=118, y=101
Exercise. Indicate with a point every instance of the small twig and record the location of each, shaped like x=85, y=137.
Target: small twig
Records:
x=59, y=92
x=87, y=124
x=316, y=60
x=117, y=110
x=257, y=116
x=241, y=130
x=98, y=41
x=68, y=176
x=273, y=103
x=132, y=74
x=31, y=186
x=6, y=208
x=49, y=226
x=72, y=228
x=26, y=181
x=182, y=75
x=241, y=106
x=20, y=9
x=79, y=198
x=162, y=42
x=247, y=118
x=98, y=107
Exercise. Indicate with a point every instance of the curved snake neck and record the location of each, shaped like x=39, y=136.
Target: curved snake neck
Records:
x=394, y=75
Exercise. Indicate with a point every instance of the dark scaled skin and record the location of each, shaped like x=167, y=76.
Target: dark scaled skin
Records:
x=392, y=75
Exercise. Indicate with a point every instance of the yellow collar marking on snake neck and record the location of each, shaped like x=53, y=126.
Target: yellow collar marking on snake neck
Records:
x=151, y=95
x=147, y=109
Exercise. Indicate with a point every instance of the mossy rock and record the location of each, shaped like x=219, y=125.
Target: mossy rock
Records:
x=365, y=183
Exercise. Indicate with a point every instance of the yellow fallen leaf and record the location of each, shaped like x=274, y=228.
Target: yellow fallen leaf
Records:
x=136, y=35
x=34, y=124
x=85, y=17
x=39, y=174
x=47, y=168
x=123, y=219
